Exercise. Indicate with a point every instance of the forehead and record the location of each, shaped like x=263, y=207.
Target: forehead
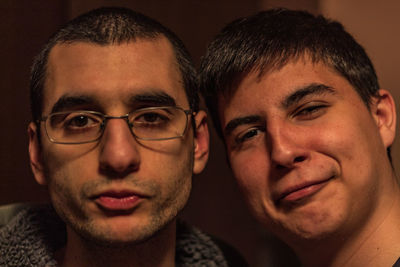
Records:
x=112, y=73
x=269, y=90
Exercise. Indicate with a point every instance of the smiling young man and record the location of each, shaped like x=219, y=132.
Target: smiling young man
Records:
x=307, y=131
x=116, y=136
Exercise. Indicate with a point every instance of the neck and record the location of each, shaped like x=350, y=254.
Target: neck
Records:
x=158, y=251
x=376, y=243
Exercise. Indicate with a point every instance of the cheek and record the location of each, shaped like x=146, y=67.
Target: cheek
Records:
x=348, y=140
x=64, y=187
x=62, y=178
x=58, y=156
x=173, y=176
x=67, y=168
x=173, y=148
x=169, y=157
x=354, y=147
x=170, y=168
x=251, y=171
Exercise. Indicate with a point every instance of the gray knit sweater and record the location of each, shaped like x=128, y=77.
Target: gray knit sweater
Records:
x=35, y=233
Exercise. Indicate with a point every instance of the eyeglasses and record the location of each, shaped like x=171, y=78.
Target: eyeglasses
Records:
x=80, y=127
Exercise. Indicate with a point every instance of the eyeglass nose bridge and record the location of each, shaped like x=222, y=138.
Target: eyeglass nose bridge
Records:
x=125, y=117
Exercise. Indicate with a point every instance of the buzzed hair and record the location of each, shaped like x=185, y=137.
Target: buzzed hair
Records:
x=107, y=26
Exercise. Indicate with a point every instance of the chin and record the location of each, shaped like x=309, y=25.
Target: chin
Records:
x=125, y=230
x=306, y=226
x=311, y=230
x=117, y=237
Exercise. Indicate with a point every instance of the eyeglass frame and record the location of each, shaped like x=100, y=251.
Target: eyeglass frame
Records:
x=125, y=117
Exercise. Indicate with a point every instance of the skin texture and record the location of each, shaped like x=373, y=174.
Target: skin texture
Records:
x=157, y=174
x=310, y=158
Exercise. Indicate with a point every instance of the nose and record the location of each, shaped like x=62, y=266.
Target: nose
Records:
x=119, y=155
x=286, y=146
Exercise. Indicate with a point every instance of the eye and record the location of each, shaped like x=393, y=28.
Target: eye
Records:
x=80, y=120
x=153, y=118
x=247, y=135
x=310, y=111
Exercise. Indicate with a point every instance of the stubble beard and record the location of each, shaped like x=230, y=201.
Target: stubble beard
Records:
x=163, y=211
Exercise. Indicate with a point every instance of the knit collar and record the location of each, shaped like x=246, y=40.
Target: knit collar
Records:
x=34, y=234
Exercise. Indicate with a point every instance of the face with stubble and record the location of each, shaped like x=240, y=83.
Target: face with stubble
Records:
x=118, y=189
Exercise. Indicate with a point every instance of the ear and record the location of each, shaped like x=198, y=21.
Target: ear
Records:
x=384, y=112
x=35, y=154
x=201, y=142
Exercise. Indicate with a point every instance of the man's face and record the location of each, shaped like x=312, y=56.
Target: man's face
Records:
x=307, y=153
x=118, y=189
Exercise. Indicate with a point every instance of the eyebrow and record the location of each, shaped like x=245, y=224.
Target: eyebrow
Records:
x=152, y=99
x=140, y=100
x=305, y=91
x=66, y=102
x=233, y=124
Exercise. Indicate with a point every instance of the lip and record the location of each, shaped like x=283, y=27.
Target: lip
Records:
x=118, y=200
x=301, y=191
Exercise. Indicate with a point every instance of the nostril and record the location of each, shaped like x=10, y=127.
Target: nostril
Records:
x=280, y=167
x=299, y=159
x=113, y=172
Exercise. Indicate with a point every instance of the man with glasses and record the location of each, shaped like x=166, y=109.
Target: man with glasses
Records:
x=116, y=136
x=307, y=131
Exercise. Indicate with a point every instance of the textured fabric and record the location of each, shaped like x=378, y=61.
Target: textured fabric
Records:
x=194, y=248
x=31, y=238
x=34, y=234
x=7, y=212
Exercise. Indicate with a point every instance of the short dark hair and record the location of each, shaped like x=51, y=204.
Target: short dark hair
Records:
x=111, y=25
x=269, y=40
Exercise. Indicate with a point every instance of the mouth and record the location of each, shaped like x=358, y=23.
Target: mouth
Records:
x=301, y=192
x=117, y=201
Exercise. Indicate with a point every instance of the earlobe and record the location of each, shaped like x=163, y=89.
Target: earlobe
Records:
x=384, y=112
x=35, y=154
x=201, y=142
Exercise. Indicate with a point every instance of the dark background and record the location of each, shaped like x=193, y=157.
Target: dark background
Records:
x=215, y=205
